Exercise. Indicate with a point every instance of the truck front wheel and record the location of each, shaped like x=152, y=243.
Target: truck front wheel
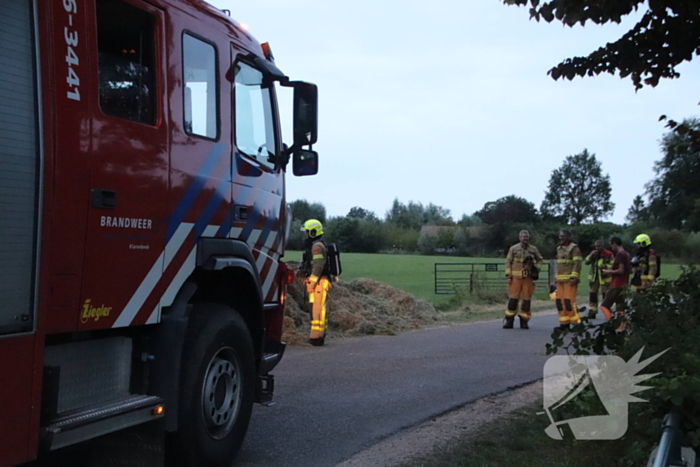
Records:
x=217, y=388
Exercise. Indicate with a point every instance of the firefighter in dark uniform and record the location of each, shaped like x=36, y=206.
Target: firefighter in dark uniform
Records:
x=599, y=259
x=317, y=279
x=645, y=263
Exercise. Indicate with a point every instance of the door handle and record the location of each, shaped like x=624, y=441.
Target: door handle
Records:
x=103, y=199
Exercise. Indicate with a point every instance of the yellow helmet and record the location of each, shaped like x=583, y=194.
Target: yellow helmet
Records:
x=314, y=227
x=643, y=240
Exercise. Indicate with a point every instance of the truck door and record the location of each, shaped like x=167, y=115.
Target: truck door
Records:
x=19, y=169
x=258, y=190
x=128, y=168
x=20, y=158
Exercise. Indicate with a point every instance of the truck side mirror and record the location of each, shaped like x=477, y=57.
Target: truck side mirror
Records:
x=305, y=113
x=304, y=162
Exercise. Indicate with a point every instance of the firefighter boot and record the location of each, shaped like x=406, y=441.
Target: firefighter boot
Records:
x=508, y=322
x=523, y=323
x=563, y=327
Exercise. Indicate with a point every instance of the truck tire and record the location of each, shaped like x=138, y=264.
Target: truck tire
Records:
x=217, y=388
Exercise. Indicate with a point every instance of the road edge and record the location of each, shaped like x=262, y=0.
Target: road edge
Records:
x=443, y=430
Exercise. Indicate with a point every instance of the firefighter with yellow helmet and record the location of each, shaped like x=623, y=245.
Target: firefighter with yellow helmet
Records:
x=569, y=261
x=599, y=259
x=317, y=278
x=645, y=263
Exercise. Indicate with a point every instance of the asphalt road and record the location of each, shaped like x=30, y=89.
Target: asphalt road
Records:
x=334, y=401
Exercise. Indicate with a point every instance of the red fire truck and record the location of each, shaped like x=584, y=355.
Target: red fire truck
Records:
x=143, y=219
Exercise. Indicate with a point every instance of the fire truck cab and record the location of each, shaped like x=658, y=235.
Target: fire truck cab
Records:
x=143, y=221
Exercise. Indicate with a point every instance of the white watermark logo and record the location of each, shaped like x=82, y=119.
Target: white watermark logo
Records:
x=598, y=388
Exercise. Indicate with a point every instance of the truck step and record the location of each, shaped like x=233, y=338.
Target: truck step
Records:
x=90, y=422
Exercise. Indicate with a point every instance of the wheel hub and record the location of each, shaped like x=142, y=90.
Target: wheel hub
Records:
x=221, y=393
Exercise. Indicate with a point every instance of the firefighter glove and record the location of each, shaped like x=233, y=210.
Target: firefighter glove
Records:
x=311, y=284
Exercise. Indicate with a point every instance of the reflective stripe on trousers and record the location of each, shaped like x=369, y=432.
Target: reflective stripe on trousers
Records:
x=593, y=297
x=520, y=288
x=318, y=308
x=566, y=303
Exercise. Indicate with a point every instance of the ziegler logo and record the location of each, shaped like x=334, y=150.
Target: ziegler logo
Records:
x=92, y=312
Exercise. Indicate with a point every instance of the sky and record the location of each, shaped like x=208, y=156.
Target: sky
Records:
x=449, y=102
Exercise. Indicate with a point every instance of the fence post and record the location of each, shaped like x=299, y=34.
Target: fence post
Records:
x=552, y=273
x=669, y=451
x=435, y=282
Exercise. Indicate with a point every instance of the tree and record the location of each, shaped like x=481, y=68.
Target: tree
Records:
x=674, y=195
x=508, y=210
x=355, y=235
x=469, y=221
x=638, y=211
x=436, y=215
x=578, y=191
x=303, y=210
x=361, y=213
x=666, y=35
x=405, y=216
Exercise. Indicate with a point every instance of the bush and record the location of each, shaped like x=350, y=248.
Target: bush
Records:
x=296, y=236
x=427, y=244
x=586, y=235
x=356, y=235
x=398, y=238
x=692, y=248
x=446, y=239
x=669, y=243
x=665, y=317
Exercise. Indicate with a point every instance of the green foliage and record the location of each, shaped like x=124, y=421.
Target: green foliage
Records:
x=637, y=212
x=665, y=317
x=508, y=210
x=587, y=234
x=666, y=242
x=361, y=231
x=470, y=221
x=303, y=210
x=467, y=244
x=436, y=215
x=400, y=239
x=361, y=213
x=692, y=248
x=674, y=195
x=355, y=235
x=664, y=37
x=446, y=239
x=296, y=236
x=427, y=244
x=578, y=191
x=415, y=215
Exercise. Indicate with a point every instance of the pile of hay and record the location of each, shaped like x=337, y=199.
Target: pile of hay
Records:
x=358, y=307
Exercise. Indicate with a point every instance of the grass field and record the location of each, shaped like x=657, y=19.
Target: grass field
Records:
x=412, y=273
x=415, y=274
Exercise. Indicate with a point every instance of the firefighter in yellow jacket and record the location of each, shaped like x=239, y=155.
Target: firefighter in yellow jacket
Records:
x=599, y=259
x=645, y=263
x=569, y=261
x=523, y=264
x=317, y=281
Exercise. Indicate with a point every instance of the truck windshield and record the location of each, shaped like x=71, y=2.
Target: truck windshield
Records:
x=255, y=130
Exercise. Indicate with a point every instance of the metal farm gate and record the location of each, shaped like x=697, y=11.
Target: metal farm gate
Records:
x=491, y=277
